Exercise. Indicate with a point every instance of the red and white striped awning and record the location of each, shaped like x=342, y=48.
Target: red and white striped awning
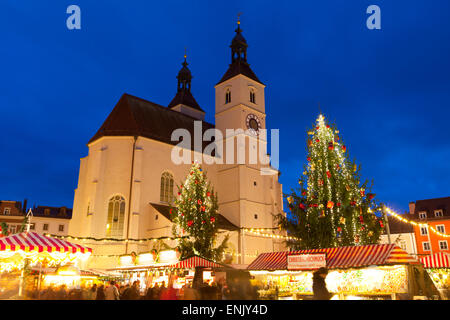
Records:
x=32, y=241
x=340, y=258
x=437, y=260
x=191, y=263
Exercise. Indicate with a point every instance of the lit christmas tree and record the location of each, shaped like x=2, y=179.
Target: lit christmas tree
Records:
x=332, y=207
x=195, y=215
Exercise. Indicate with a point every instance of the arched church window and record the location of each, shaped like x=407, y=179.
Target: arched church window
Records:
x=228, y=96
x=166, y=194
x=252, y=96
x=116, y=216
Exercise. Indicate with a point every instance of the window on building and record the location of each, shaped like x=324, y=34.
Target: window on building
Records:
x=32, y=226
x=228, y=96
x=7, y=211
x=45, y=227
x=62, y=212
x=256, y=216
x=12, y=229
x=438, y=213
x=443, y=245
x=166, y=194
x=252, y=96
x=440, y=228
x=88, y=209
x=46, y=212
x=423, y=231
x=426, y=246
x=422, y=215
x=403, y=244
x=156, y=217
x=116, y=216
x=254, y=183
x=61, y=228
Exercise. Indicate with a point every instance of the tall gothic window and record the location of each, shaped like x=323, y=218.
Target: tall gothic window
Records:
x=228, y=96
x=166, y=194
x=252, y=96
x=116, y=216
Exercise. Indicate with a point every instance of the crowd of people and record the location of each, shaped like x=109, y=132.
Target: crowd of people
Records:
x=221, y=290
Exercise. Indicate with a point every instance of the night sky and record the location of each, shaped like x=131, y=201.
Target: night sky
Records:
x=388, y=90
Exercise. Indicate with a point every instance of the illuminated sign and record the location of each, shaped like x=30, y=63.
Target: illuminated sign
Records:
x=306, y=261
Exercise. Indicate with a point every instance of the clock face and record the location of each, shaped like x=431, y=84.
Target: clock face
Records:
x=253, y=124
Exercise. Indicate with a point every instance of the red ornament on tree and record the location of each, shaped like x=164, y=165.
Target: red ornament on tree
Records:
x=352, y=203
x=208, y=194
x=338, y=204
x=381, y=223
x=302, y=206
x=212, y=219
x=190, y=223
x=317, y=140
x=361, y=219
x=344, y=148
x=339, y=229
x=309, y=159
x=328, y=174
x=199, y=201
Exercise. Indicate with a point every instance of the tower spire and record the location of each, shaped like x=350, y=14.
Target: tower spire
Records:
x=184, y=76
x=238, y=44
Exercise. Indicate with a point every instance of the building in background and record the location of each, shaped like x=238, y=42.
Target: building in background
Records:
x=45, y=219
x=12, y=213
x=127, y=181
x=401, y=234
x=435, y=213
x=52, y=220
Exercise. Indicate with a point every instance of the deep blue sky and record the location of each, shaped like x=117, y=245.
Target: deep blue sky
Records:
x=387, y=90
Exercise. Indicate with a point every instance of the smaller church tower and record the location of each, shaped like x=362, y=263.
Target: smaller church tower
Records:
x=184, y=101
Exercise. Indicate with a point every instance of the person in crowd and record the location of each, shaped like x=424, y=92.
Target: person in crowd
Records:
x=319, y=286
x=149, y=293
x=156, y=292
x=226, y=293
x=111, y=292
x=170, y=293
x=190, y=293
x=100, y=293
x=134, y=291
x=124, y=292
x=93, y=290
x=61, y=294
x=49, y=293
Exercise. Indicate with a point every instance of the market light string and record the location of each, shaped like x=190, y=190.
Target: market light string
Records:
x=400, y=218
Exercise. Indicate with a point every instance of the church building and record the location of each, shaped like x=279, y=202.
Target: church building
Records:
x=128, y=180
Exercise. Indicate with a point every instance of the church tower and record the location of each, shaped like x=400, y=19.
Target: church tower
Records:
x=247, y=198
x=184, y=101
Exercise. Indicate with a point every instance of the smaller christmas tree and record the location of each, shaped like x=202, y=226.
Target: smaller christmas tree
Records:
x=196, y=214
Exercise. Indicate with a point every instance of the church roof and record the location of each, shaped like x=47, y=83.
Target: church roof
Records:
x=239, y=67
x=222, y=222
x=133, y=116
x=186, y=98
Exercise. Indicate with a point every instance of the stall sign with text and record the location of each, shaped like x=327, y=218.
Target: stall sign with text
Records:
x=306, y=261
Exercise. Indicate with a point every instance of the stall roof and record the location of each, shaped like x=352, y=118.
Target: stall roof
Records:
x=196, y=261
x=32, y=241
x=339, y=258
x=437, y=260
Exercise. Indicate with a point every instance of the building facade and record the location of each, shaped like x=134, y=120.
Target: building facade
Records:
x=435, y=213
x=45, y=219
x=401, y=234
x=127, y=181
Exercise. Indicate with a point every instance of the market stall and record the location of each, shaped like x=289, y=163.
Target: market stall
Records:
x=164, y=268
x=359, y=272
x=438, y=267
x=23, y=251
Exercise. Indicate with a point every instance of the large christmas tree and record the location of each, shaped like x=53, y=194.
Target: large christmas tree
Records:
x=195, y=215
x=331, y=207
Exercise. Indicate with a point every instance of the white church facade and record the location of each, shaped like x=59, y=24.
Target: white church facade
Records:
x=128, y=180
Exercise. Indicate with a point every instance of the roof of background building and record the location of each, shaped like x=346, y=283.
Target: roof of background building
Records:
x=54, y=212
x=133, y=116
x=186, y=98
x=222, y=222
x=429, y=205
x=239, y=67
x=396, y=226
